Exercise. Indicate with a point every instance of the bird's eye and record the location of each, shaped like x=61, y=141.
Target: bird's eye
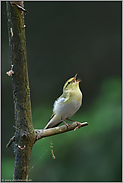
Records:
x=67, y=84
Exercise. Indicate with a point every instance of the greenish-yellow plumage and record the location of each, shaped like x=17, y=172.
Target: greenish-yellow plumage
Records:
x=67, y=104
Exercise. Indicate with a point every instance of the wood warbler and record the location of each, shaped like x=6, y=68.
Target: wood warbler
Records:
x=67, y=104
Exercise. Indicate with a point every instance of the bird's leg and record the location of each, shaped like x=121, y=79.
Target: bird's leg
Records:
x=70, y=120
x=79, y=124
x=65, y=123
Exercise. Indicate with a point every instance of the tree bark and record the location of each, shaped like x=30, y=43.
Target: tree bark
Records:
x=24, y=132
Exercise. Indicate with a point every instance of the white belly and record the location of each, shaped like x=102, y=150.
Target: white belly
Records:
x=66, y=110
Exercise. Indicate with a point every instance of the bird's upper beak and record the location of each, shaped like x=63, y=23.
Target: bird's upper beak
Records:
x=74, y=79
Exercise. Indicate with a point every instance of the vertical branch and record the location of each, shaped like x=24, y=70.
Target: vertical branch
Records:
x=24, y=133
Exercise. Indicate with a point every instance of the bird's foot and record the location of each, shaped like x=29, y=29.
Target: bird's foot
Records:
x=78, y=126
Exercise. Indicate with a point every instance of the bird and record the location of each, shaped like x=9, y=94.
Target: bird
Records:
x=67, y=104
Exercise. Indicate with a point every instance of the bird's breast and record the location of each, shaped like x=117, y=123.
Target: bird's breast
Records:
x=69, y=108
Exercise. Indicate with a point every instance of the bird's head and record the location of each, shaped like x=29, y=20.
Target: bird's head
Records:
x=71, y=84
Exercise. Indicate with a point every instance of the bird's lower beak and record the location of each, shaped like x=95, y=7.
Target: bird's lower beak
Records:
x=78, y=80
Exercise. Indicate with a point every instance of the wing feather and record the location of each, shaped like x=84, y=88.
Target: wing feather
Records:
x=64, y=98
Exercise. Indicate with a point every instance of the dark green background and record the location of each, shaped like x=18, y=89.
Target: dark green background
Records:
x=65, y=38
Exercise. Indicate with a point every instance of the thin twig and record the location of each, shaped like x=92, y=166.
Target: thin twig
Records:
x=57, y=130
x=10, y=141
x=19, y=6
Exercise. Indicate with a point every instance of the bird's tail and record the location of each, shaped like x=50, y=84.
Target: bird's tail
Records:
x=53, y=122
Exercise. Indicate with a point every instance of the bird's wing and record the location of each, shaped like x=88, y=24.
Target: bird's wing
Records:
x=63, y=98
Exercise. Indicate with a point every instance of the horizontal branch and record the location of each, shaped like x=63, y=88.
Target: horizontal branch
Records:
x=52, y=131
x=57, y=130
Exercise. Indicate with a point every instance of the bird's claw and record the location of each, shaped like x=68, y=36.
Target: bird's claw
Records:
x=78, y=126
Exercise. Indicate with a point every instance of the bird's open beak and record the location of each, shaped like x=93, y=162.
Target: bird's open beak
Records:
x=74, y=79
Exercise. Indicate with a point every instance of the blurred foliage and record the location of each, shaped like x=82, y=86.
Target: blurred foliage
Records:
x=64, y=38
